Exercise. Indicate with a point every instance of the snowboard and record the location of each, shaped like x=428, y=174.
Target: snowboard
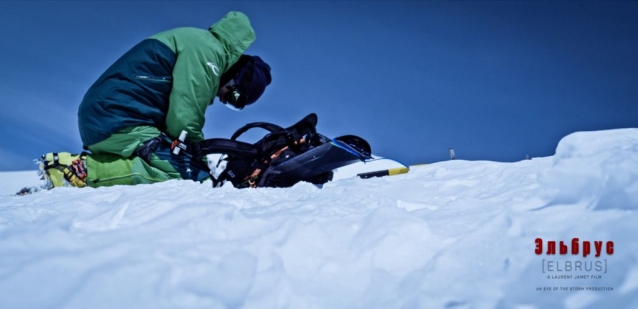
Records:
x=343, y=157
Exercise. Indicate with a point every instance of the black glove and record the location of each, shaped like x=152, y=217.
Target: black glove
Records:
x=145, y=150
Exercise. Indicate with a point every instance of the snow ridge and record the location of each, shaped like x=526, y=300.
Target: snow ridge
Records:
x=455, y=234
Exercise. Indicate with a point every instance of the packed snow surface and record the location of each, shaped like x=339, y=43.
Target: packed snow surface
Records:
x=455, y=234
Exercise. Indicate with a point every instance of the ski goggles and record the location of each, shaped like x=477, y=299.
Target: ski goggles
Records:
x=233, y=98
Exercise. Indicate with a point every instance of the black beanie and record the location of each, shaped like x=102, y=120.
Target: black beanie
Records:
x=252, y=78
x=234, y=69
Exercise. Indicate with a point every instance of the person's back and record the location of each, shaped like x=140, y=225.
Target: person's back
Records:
x=178, y=68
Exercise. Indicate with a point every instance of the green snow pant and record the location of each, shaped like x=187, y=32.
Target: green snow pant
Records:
x=113, y=161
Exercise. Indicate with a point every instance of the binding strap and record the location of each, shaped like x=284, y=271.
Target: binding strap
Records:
x=225, y=146
x=264, y=125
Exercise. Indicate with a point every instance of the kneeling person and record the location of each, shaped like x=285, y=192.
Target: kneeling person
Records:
x=161, y=87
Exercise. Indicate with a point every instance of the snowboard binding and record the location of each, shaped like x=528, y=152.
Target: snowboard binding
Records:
x=284, y=157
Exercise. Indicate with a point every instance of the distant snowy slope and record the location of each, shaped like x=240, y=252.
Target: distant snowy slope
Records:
x=455, y=234
x=12, y=182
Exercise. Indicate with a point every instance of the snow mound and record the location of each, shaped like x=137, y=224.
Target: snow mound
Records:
x=596, y=168
x=455, y=234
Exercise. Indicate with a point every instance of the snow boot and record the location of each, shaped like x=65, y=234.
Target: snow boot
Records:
x=63, y=169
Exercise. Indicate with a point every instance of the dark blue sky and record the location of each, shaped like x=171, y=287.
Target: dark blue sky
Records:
x=495, y=80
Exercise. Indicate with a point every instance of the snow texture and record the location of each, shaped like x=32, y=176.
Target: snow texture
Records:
x=455, y=234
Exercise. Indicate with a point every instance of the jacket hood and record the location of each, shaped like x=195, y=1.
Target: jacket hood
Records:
x=235, y=33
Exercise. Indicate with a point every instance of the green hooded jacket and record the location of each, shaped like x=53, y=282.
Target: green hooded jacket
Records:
x=166, y=81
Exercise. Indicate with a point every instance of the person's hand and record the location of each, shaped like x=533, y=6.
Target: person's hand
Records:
x=145, y=150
